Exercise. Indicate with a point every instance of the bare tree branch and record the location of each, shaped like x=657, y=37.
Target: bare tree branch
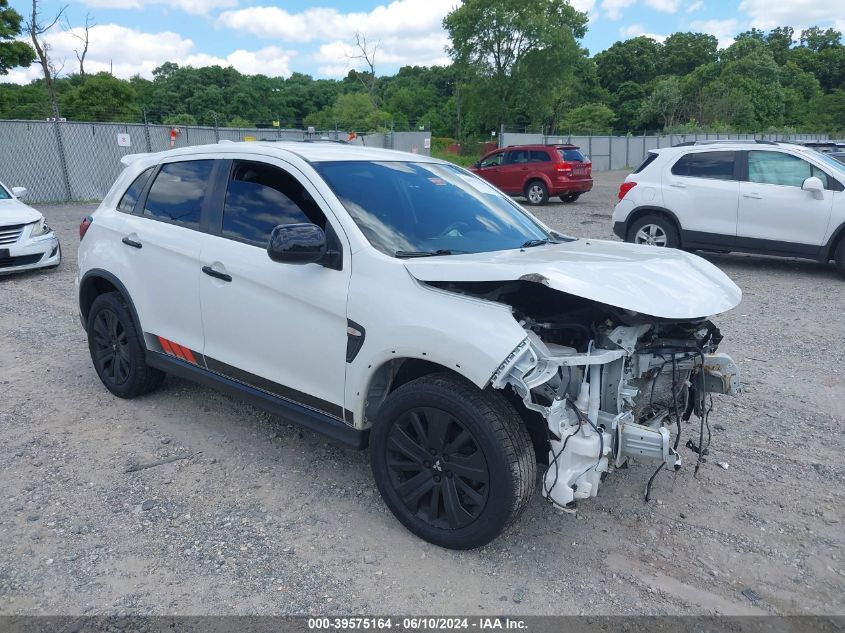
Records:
x=36, y=29
x=84, y=39
x=368, y=56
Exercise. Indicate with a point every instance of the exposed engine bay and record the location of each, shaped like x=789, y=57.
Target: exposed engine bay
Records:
x=611, y=384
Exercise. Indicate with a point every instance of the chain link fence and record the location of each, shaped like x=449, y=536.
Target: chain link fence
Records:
x=71, y=161
x=619, y=152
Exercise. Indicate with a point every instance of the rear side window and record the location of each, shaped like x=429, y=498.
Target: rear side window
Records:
x=260, y=197
x=652, y=156
x=540, y=156
x=130, y=198
x=178, y=192
x=571, y=155
x=518, y=156
x=712, y=165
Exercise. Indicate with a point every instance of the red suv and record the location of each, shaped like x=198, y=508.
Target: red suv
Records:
x=538, y=171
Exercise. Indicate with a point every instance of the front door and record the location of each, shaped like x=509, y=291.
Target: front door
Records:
x=775, y=213
x=278, y=327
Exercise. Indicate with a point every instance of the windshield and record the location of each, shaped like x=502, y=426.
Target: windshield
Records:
x=414, y=209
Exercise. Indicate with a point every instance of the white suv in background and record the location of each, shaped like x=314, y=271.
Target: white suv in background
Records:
x=401, y=302
x=756, y=197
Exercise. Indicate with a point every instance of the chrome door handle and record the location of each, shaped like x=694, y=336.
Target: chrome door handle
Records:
x=753, y=196
x=131, y=243
x=679, y=185
x=208, y=270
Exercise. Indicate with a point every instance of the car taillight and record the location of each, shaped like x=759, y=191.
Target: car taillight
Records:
x=564, y=168
x=83, y=226
x=625, y=187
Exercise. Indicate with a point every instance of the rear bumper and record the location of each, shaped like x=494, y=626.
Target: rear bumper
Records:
x=36, y=253
x=581, y=185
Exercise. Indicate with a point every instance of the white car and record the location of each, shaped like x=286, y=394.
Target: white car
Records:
x=756, y=197
x=26, y=241
x=398, y=301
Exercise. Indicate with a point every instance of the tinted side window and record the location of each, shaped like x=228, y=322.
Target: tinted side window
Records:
x=714, y=165
x=130, y=198
x=572, y=155
x=493, y=161
x=260, y=197
x=540, y=156
x=178, y=191
x=517, y=156
x=775, y=168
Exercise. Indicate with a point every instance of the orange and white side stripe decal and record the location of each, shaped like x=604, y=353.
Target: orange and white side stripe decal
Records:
x=174, y=349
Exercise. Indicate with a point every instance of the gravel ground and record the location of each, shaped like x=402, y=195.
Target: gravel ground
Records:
x=263, y=518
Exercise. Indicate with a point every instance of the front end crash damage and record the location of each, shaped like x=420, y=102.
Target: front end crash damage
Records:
x=620, y=397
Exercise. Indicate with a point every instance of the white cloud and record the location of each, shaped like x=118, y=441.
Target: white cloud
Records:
x=195, y=7
x=613, y=8
x=665, y=6
x=799, y=14
x=587, y=6
x=405, y=31
x=695, y=6
x=127, y=52
x=636, y=30
x=724, y=30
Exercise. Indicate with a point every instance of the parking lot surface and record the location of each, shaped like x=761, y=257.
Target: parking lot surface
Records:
x=259, y=517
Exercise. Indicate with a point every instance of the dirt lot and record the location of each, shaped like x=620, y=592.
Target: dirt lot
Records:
x=266, y=518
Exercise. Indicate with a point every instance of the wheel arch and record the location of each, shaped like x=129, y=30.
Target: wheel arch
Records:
x=644, y=210
x=97, y=282
x=837, y=236
x=547, y=182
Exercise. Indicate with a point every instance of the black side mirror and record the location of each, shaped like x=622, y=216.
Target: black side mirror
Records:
x=297, y=244
x=478, y=165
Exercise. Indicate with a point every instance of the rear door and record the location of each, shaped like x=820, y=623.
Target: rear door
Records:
x=514, y=171
x=160, y=241
x=702, y=190
x=274, y=326
x=775, y=213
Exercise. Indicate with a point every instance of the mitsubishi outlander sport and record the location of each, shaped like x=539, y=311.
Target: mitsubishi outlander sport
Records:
x=399, y=302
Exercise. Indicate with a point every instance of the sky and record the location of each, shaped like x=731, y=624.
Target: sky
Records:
x=256, y=36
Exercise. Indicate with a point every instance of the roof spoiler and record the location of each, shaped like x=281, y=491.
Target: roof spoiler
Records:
x=128, y=159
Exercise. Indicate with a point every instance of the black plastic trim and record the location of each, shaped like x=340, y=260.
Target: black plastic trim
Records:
x=354, y=343
x=104, y=274
x=291, y=411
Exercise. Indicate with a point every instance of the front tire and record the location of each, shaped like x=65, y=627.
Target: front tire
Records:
x=117, y=350
x=654, y=230
x=536, y=193
x=453, y=463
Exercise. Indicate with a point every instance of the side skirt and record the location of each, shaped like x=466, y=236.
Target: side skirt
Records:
x=290, y=411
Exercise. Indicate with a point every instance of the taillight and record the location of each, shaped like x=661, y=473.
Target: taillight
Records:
x=625, y=187
x=83, y=226
x=564, y=168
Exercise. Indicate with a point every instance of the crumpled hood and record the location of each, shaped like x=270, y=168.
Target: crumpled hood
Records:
x=656, y=281
x=13, y=211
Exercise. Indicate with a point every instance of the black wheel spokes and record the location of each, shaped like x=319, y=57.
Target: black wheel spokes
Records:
x=437, y=469
x=111, y=347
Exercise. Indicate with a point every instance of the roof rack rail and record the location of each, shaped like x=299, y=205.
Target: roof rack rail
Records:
x=739, y=141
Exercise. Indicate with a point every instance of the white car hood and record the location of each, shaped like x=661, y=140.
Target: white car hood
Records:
x=656, y=281
x=13, y=211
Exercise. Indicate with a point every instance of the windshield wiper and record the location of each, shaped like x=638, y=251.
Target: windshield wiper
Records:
x=442, y=251
x=531, y=243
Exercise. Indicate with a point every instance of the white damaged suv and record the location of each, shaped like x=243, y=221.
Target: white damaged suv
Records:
x=399, y=302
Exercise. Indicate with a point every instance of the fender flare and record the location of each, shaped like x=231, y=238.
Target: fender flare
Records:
x=837, y=235
x=98, y=273
x=637, y=212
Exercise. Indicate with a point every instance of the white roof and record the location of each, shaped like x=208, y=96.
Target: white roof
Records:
x=311, y=152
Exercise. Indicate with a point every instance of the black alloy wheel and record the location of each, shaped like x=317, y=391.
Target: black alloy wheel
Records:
x=110, y=347
x=437, y=468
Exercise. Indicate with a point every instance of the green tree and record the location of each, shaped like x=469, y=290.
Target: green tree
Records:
x=492, y=41
x=101, y=97
x=664, y=103
x=627, y=101
x=13, y=53
x=683, y=52
x=637, y=59
x=592, y=118
x=817, y=39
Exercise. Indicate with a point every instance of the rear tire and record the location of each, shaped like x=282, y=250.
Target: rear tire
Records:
x=654, y=230
x=536, y=193
x=117, y=349
x=839, y=256
x=570, y=197
x=453, y=463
